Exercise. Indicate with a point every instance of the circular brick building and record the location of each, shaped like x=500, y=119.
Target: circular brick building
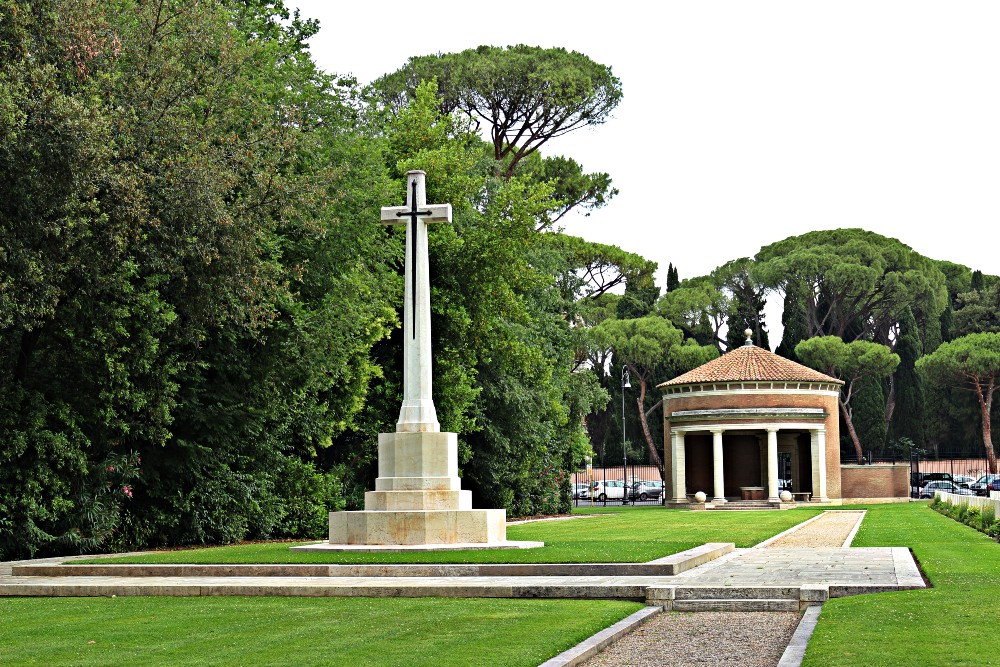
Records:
x=749, y=424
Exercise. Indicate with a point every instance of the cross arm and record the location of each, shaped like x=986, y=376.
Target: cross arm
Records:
x=429, y=213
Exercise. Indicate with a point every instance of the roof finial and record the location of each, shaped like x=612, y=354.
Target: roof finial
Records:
x=749, y=334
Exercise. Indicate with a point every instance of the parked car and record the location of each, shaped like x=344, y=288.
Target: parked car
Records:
x=964, y=481
x=942, y=485
x=979, y=486
x=919, y=479
x=647, y=490
x=614, y=489
x=581, y=491
x=994, y=485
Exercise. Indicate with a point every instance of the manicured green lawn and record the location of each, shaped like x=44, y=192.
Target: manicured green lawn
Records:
x=955, y=623
x=296, y=631
x=615, y=535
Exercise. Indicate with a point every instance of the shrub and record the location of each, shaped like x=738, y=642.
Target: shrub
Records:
x=993, y=530
x=987, y=517
x=973, y=518
x=963, y=512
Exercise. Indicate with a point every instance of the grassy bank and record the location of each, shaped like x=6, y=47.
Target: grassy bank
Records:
x=955, y=623
x=302, y=631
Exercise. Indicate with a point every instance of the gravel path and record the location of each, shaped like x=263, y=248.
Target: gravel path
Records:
x=829, y=530
x=704, y=639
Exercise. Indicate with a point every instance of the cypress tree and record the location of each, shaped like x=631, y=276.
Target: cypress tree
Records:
x=977, y=281
x=794, y=320
x=673, y=282
x=703, y=333
x=868, y=415
x=908, y=415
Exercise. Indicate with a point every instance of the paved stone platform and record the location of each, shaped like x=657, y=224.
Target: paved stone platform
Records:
x=762, y=578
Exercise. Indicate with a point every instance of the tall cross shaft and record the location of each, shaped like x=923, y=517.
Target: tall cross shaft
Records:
x=417, y=413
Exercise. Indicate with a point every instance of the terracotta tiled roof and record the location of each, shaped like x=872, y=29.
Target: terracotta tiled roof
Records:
x=750, y=364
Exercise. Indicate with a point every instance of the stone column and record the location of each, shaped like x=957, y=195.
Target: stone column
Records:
x=677, y=478
x=818, y=437
x=720, y=490
x=772, y=465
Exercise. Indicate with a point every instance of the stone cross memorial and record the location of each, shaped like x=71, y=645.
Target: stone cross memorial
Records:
x=418, y=502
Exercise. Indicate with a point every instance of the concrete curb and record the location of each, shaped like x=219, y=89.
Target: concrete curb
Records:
x=593, y=645
x=796, y=649
x=854, y=531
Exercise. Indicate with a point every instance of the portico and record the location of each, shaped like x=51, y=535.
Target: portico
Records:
x=749, y=425
x=762, y=441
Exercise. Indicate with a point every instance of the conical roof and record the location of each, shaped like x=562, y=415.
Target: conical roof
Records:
x=750, y=363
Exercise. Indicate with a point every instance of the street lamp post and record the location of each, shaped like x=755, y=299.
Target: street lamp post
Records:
x=625, y=385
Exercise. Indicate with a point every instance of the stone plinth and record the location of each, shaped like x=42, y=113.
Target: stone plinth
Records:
x=418, y=501
x=418, y=527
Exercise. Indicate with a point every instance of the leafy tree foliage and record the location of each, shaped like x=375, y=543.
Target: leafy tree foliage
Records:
x=699, y=308
x=856, y=283
x=971, y=362
x=746, y=307
x=524, y=95
x=572, y=189
x=168, y=171
x=649, y=347
x=794, y=320
x=858, y=363
x=978, y=310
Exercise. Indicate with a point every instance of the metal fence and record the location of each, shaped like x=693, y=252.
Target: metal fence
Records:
x=607, y=486
x=960, y=465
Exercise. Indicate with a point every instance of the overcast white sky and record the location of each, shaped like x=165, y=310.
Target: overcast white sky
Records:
x=747, y=122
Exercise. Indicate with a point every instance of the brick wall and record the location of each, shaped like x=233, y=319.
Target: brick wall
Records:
x=875, y=481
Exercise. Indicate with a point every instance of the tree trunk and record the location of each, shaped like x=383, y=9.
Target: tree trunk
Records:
x=985, y=405
x=851, y=431
x=641, y=402
x=890, y=403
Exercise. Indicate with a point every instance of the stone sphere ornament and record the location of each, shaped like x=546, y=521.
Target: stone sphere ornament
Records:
x=700, y=497
x=785, y=496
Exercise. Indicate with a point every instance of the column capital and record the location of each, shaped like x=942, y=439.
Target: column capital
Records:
x=716, y=430
x=772, y=429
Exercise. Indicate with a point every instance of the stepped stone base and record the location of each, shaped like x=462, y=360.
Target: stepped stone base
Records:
x=418, y=527
x=418, y=503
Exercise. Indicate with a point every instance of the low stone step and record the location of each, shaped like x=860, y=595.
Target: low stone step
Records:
x=749, y=604
x=736, y=593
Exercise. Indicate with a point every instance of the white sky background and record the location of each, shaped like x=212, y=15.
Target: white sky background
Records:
x=747, y=122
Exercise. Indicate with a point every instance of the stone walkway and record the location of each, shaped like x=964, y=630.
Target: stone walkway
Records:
x=815, y=550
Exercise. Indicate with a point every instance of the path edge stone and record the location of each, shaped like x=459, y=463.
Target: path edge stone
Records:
x=796, y=649
x=593, y=645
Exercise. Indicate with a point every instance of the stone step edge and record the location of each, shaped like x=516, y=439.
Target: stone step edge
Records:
x=696, y=557
x=593, y=645
x=188, y=588
x=747, y=605
x=669, y=597
x=667, y=566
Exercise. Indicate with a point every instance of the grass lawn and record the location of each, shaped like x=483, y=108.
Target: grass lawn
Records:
x=955, y=623
x=300, y=631
x=368, y=631
x=614, y=535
